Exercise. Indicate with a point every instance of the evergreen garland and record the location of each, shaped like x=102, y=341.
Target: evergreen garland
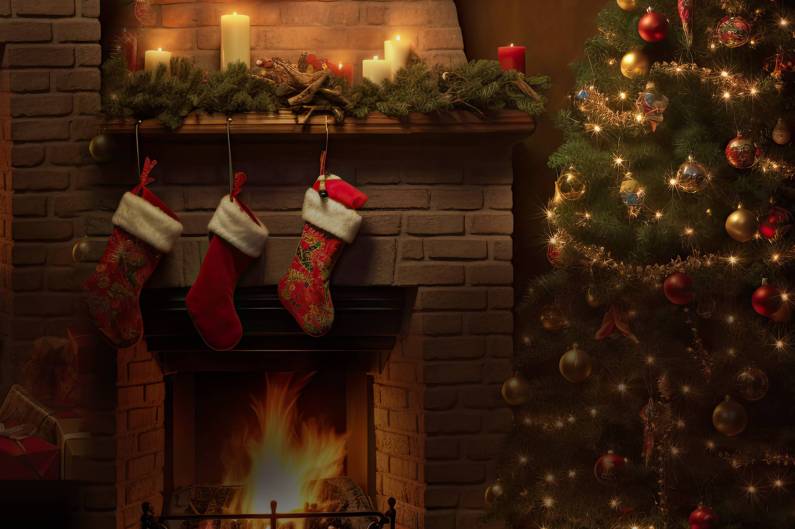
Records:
x=479, y=86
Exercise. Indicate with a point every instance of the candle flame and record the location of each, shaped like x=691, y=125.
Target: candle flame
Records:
x=375, y=57
x=234, y=13
x=340, y=66
x=159, y=49
x=397, y=37
x=511, y=44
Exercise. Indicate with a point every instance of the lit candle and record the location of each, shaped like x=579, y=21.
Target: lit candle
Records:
x=375, y=69
x=235, y=40
x=154, y=58
x=512, y=57
x=396, y=53
x=343, y=71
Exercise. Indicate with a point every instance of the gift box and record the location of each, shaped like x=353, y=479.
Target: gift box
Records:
x=28, y=458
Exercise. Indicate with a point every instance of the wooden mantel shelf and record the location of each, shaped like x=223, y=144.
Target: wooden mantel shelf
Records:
x=506, y=122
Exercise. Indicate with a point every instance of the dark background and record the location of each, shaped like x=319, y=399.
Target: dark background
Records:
x=554, y=32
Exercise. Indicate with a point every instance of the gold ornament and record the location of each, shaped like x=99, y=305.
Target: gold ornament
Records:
x=752, y=384
x=81, y=249
x=635, y=64
x=494, y=492
x=741, y=225
x=781, y=133
x=569, y=185
x=627, y=5
x=691, y=177
x=575, y=365
x=102, y=148
x=730, y=417
x=552, y=319
x=516, y=390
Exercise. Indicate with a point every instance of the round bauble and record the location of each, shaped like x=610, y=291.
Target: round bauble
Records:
x=553, y=319
x=741, y=225
x=733, y=31
x=81, y=249
x=766, y=300
x=776, y=223
x=691, y=177
x=653, y=26
x=781, y=134
x=102, y=148
x=741, y=153
x=631, y=192
x=678, y=288
x=652, y=106
x=494, y=492
x=570, y=185
x=516, y=390
x=627, y=5
x=608, y=467
x=752, y=384
x=730, y=417
x=635, y=64
x=575, y=365
x=702, y=518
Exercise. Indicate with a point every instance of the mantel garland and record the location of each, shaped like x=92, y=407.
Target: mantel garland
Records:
x=480, y=86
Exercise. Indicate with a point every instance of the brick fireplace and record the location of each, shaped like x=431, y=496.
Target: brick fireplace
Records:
x=438, y=227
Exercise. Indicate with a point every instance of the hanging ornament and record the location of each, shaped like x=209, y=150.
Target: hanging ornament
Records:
x=702, y=518
x=144, y=13
x=81, y=249
x=101, y=148
x=553, y=319
x=733, y=31
x=685, y=8
x=781, y=66
x=608, y=467
x=569, y=185
x=615, y=319
x=653, y=26
x=592, y=297
x=741, y=225
x=781, y=134
x=752, y=384
x=575, y=365
x=516, y=390
x=678, y=288
x=776, y=223
x=627, y=5
x=582, y=95
x=494, y=492
x=553, y=254
x=632, y=194
x=691, y=177
x=766, y=299
x=741, y=153
x=652, y=106
x=730, y=417
x=635, y=64
x=656, y=418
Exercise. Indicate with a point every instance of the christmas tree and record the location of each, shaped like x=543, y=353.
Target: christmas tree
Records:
x=655, y=375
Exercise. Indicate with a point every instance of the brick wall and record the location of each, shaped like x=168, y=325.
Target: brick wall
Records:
x=341, y=30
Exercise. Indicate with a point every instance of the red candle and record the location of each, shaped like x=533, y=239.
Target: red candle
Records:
x=343, y=71
x=512, y=57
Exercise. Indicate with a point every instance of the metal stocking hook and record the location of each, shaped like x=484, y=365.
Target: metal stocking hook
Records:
x=323, y=158
x=137, y=148
x=229, y=157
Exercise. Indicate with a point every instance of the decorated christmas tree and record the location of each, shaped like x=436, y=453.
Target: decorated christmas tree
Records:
x=655, y=374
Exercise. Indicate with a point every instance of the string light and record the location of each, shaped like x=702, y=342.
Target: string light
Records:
x=548, y=502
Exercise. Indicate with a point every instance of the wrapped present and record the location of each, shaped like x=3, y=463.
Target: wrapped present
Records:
x=24, y=456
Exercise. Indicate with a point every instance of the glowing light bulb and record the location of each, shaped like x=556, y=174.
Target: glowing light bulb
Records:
x=622, y=96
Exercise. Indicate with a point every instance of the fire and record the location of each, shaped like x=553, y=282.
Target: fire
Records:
x=286, y=457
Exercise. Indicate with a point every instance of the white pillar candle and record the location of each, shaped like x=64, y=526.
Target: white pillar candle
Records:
x=154, y=58
x=235, y=40
x=396, y=53
x=375, y=69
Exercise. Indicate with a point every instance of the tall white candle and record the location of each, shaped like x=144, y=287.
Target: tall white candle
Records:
x=396, y=53
x=375, y=69
x=235, y=40
x=154, y=58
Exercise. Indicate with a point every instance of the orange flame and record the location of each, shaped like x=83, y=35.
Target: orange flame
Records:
x=286, y=459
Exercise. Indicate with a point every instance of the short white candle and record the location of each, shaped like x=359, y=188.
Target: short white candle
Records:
x=235, y=40
x=396, y=53
x=375, y=69
x=154, y=58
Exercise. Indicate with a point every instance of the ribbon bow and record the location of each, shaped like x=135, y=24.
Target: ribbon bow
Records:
x=237, y=184
x=615, y=320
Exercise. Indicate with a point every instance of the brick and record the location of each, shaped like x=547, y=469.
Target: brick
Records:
x=26, y=279
x=89, y=8
x=42, y=230
x=490, y=174
x=178, y=39
x=455, y=473
x=445, y=519
x=79, y=30
x=493, y=322
x=403, y=468
x=482, y=397
x=457, y=248
x=490, y=274
x=396, y=198
x=440, y=448
x=440, y=498
x=393, y=397
x=432, y=176
x=499, y=197
x=99, y=498
x=380, y=224
x=452, y=299
x=140, y=466
x=152, y=441
x=5, y=8
x=27, y=155
x=441, y=39
x=440, y=399
x=25, y=31
x=39, y=129
x=88, y=55
x=129, y=397
x=381, y=418
x=377, y=175
x=457, y=199
x=144, y=372
x=208, y=38
x=30, y=206
x=61, y=279
x=429, y=274
x=67, y=153
x=368, y=261
x=22, y=81
x=27, y=55
x=34, y=105
x=50, y=8
x=439, y=324
x=28, y=254
x=179, y=15
x=86, y=79
x=453, y=373
x=435, y=224
x=92, y=471
x=491, y=224
x=375, y=15
x=87, y=104
x=40, y=179
x=498, y=421
x=502, y=250
x=452, y=423
x=39, y=304
x=454, y=348
x=411, y=249
x=499, y=346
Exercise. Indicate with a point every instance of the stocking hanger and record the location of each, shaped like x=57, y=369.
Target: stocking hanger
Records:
x=323, y=157
x=229, y=157
x=137, y=148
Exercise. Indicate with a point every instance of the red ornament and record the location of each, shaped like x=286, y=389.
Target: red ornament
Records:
x=553, y=254
x=766, y=300
x=733, y=32
x=653, y=26
x=741, y=153
x=608, y=467
x=777, y=223
x=702, y=518
x=685, y=8
x=678, y=288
